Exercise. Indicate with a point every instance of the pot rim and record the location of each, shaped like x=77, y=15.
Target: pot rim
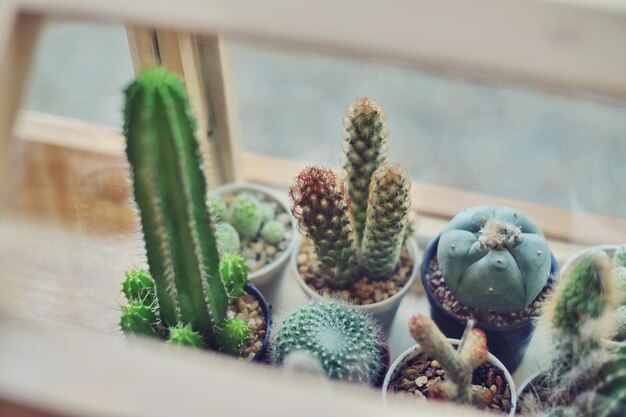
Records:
x=267, y=311
x=277, y=263
x=413, y=252
x=430, y=250
x=417, y=350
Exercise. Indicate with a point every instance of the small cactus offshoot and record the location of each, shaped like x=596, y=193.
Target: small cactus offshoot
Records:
x=234, y=272
x=185, y=336
x=273, y=232
x=227, y=239
x=234, y=336
x=345, y=342
x=246, y=216
x=138, y=318
x=458, y=364
x=322, y=209
x=138, y=285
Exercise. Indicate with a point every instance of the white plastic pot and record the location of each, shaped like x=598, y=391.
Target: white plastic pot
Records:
x=274, y=270
x=416, y=350
x=384, y=311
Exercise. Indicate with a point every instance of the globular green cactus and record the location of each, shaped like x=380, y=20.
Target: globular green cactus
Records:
x=235, y=336
x=268, y=213
x=138, y=318
x=218, y=208
x=387, y=217
x=138, y=285
x=458, y=364
x=494, y=258
x=246, y=215
x=185, y=336
x=170, y=192
x=234, y=272
x=273, y=232
x=364, y=150
x=344, y=340
x=227, y=239
x=320, y=205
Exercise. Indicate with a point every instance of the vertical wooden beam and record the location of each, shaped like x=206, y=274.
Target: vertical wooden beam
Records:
x=204, y=64
x=18, y=33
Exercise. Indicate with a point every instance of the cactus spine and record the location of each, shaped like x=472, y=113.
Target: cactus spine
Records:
x=387, y=217
x=170, y=192
x=321, y=206
x=344, y=341
x=459, y=365
x=365, y=149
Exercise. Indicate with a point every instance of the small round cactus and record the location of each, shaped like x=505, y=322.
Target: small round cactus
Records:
x=494, y=258
x=227, y=239
x=217, y=207
x=234, y=336
x=344, y=340
x=138, y=285
x=185, y=336
x=273, y=232
x=138, y=318
x=234, y=273
x=268, y=212
x=246, y=216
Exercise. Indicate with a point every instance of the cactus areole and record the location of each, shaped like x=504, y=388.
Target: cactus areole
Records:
x=494, y=258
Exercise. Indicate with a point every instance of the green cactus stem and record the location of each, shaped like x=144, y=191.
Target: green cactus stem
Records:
x=138, y=318
x=185, y=336
x=364, y=150
x=246, y=215
x=458, y=364
x=345, y=342
x=234, y=272
x=138, y=285
x=227, y=239
x=273, y=232
x=234, y=336
x=321, y=207
x=387, y=217
x=170, y=192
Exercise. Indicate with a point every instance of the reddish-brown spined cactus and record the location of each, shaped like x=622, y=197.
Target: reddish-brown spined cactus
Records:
x=321, y=207
x=458, y=364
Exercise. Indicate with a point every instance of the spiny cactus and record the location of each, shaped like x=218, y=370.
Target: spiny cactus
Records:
x=364, y=150
x=246, y=216
x=494, y=258
x=185, y=336
x=138, y=285
x=234, y=272
x=138, y=318
x=387, y=217
x=458, y=364
x=273, y=232
x=217, y=207
x=235, y=336
x=346, y=343
x=321, y=207
x=170, y=192
x=227, y=239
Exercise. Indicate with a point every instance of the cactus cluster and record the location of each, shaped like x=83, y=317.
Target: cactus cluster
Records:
x=494, y=258
x=344, y=340
x=183, y=297
x=366, y=223
x=458, y=364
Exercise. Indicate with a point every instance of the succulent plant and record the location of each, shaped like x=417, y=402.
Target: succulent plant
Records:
x=387, y=217
x=235, y=336
x=458, y=364
x=185, y=336
x=170, y=192
x=246, y=215
x=138, y=285
x=234, y=273
x=321, y=207
x=494, y=258
x=227, y=238
x=138, y=318
x=344, y=340
x=217, y=207
x=364, y=150
x=268, y=213
x=273, y=232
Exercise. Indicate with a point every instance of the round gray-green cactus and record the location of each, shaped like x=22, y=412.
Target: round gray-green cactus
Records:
x=273, y=232
x=494, y=258
x=344, y=340
x=227, y=239
x=217, y=207
x=246, y=215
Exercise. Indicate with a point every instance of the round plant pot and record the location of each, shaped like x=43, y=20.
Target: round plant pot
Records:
x=507, y=343
x=266, y=307
x=270, y=273
x=383, y=311
x=416, y=350
x=608, y=249
x=532, y=379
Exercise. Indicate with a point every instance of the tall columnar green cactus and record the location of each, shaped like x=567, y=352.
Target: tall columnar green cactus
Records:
x=387, y=217
x=458, y=365
x=321, y=207
x=170, y=192
x=364, y=150
x=246, y=215
x=344, y=340
x=494, y=258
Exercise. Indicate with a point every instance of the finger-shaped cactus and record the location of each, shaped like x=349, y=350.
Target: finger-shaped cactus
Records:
x=138, y=285
x=185, y=336
x=234, y=336
x=344, y=340
x=459, y=365
x=227, y=239
x=273, y=232
x=364, y=150
x=170, y=192
x=246, y=215
x=387, y=217
x=234, y=272
x=138, y=318
x=321, y=207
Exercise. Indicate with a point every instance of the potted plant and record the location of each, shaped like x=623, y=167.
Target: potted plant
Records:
x=586, y=375
x=434, y=370
x=358, y=245
x=189, y=296
x=493, y=265
x=255, y=221
x=334, y=340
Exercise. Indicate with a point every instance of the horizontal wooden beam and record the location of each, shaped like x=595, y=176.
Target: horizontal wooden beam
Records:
x=571, y=46
x=427, y=199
